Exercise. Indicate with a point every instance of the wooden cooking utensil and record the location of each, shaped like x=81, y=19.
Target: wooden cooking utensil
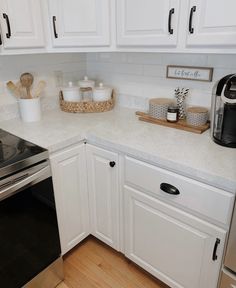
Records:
x=39, y=88
x=26, y=80
x=12, y=87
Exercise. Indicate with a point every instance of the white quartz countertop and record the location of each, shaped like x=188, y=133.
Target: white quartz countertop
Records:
x=189, y=154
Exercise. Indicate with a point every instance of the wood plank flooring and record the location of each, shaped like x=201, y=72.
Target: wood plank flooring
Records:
x=92, y=264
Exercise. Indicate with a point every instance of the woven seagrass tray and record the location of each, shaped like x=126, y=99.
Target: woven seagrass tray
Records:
x=87, y=107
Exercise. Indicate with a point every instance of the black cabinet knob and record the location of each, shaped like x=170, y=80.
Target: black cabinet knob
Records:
x=112, y=164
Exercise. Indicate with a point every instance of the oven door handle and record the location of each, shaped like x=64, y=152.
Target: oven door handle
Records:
x=23, y=179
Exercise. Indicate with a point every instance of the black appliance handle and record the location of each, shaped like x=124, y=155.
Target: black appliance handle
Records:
x=214, y=255
x=169, y=189
x=14, y=184
x=8, y=34
x=190, y=24
x=171, y=12
x=112, y=164
x=54, y=19
x=0, y=40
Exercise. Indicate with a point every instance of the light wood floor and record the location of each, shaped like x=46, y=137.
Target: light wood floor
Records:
x=92, y=264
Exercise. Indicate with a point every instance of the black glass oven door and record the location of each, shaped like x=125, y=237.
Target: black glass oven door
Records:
x=29, y=238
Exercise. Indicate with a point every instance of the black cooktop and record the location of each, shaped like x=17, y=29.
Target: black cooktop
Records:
x=17, y=154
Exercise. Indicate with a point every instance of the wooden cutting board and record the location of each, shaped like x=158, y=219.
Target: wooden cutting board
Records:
x=181, y=124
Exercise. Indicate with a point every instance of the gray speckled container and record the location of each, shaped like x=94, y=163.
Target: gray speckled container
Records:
x=158, y=107
x=197, y=116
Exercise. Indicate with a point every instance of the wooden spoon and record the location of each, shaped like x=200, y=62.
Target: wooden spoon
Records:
x=26, y=80
x=39, y=88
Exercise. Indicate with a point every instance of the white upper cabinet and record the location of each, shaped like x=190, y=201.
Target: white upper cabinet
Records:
x=21, y=24
x=212, y=23
x=147, y=22
x=78, y=23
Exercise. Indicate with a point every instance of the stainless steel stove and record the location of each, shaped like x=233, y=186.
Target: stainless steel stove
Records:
x=29, y=239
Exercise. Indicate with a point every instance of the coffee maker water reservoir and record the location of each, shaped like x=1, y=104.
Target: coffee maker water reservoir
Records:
x=223, y=123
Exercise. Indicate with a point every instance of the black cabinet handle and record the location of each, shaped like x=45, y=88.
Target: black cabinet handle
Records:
x=0, y=40
x=112, y=164
x=169, y=189
x=171, y=12
x=214, y=255
x=190, y=25
x=8, y=34
x=54, y=19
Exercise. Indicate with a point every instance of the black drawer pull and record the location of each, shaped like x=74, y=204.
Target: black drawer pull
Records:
x=112, y=164
x=171, y=12
x=214, y=255
x=8, y=34
x=190, y=25
x=54, y=19
x=169, y=189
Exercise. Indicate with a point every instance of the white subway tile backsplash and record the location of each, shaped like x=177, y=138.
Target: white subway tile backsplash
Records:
x=222, y=61
x=143, y=75
x=145, y=58
x=154, y=70
x=137, y=77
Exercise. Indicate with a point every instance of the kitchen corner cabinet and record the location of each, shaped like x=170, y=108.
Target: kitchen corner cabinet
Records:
x=147, y=23
x=78, y=23
x=179, y=249
x=21, y=24
x=104, y=192
x=70, y=186
x=213, y=23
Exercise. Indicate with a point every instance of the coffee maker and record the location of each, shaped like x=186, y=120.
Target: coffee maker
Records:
x=223, y=114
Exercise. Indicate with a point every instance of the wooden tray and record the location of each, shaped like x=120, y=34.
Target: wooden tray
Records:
x=181, y=124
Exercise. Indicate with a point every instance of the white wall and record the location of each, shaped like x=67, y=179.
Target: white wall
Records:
x=140, y=76
x=43, y=67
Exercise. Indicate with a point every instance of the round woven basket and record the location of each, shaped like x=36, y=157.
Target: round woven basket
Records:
x=87, y=107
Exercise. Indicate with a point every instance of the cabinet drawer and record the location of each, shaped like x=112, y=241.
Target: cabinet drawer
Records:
x=203, y=199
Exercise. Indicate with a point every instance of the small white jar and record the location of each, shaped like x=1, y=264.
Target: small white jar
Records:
x=102, y=93
x=71, y=93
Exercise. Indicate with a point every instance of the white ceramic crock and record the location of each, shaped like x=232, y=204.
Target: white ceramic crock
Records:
x=30, y=109
x=71, y=93
x=102, y=93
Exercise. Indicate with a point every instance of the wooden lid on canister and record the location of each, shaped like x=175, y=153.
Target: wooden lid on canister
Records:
x=161, y=101
x=197, y=110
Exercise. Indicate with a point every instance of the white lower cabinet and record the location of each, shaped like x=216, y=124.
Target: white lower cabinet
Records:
x=160, y=233
x=103, y=186
x=176, y=247
x=71, y=195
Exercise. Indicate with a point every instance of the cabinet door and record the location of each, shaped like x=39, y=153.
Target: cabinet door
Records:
x=213, y=23
x=147, y=22
x=71, y=195
x=172, y=245
x=21, y=23
x=80, y=23
x=103, y=194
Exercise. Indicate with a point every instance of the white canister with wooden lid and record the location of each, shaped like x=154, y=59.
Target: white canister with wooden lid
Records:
x=102, y=93
x=158, y=107
x=197, y=116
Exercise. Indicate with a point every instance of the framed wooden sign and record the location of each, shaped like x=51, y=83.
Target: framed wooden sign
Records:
x=189, y=73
